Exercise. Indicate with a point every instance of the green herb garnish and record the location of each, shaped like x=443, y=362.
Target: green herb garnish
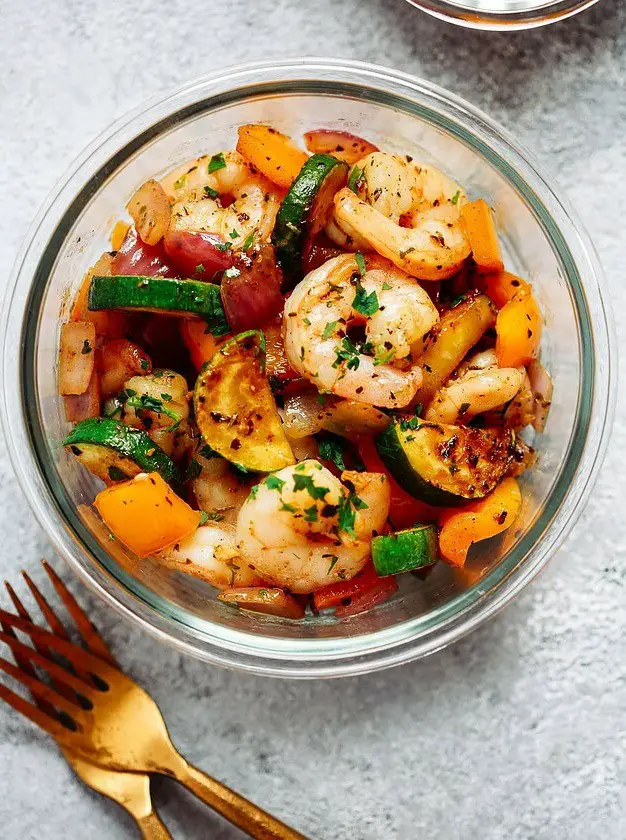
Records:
x=331, y=449
x=216, y=162
x=360, y=261
x=363, y=302
x=305, y=482
x=272, y=482
x=211, y=192
x=355, y=179
x=329, y=329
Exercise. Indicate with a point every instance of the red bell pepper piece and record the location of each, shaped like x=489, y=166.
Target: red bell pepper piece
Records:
x=335, y=593
x=378, y=593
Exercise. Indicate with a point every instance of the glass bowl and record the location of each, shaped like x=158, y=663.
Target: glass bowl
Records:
x=542, y=241
x=502, y=14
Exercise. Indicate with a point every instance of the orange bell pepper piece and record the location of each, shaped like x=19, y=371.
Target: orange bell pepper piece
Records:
x=501, y=286
x=145, y=514
x=200, y=343
x=518, y=330
x=271, y=152
x=118, y=234
x=481, y=232
x=460, y=527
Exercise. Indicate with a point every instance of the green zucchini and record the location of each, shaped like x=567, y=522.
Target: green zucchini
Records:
x=442, y=464
x=162, y=295
x=405, y=550
x=116, y=452
x=235, y=409
x=305, y=210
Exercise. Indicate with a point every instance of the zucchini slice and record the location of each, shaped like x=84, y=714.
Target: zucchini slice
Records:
x=305, y=210
x=116, y=452
x=235, y=409
x=161, y=295
x=445, y=465
x=405, y=550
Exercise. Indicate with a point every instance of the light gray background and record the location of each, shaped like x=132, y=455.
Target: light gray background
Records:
x=519, y=730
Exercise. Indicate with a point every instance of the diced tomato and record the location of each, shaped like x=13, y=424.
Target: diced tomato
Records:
x=136, y=258
x=252, y=297
x=335, y=593
x=196, y=254
x=380, y=592
x=404, y=510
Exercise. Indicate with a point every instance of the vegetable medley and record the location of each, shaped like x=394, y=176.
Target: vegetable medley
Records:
x=302, y=373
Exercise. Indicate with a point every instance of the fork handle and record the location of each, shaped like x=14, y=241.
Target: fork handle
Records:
x=238, y=810
x=152, y=827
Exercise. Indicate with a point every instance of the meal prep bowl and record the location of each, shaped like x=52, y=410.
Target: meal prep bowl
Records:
x=502, y=14
x=541, y=240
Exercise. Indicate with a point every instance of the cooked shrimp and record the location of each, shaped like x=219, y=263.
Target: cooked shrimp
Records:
x=301, y=528
x=317, y=345
x=482, y=386
x=157, y=403
x=195, y=193
x=408, y=213
x=219, y=490
x=210, y=553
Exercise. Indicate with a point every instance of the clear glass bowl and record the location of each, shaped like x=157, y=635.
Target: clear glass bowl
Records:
x=502, y=14
x=542, y=241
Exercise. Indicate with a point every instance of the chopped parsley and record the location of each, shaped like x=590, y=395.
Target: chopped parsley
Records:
x=386, y=287
x=288, y=507
x=217, y=162
x=347, y=516
x=144, y=364
x=211, y=192
x=366, y=304
x=333, y=562
x=87, y=348
x=331, y=449
x=199, y=268
x=204, y=518
x=223, y=246
x=234, y=234
x=207, y=452
x=347, y=353
x=457, y=300
x=412, y=423
x=456, y=196
x=247, y=242
x=355, y=179
x=272, y=482
x=384, y=358
x=310, y=514
x=305, y=482
x=147, y=403
x=214, y=516
x=193, y=470
x=180, y=183
x=360, y=261
x=329, y=329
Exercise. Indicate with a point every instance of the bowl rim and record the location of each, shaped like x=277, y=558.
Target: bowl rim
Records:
x=327, y=657
x=471, y=14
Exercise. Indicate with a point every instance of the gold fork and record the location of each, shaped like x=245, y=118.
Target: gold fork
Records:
x=130, y=790
x=123, y=730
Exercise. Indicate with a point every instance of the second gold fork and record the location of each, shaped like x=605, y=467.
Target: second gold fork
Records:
x=130, y=790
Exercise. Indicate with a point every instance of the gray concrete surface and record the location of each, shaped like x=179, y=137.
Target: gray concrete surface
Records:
x=517, y=732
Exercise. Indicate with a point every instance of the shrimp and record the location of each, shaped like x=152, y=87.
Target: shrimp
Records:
x=301, y=528
x=157, y=402
x=399, y=314
x=195, y=194
x=480, y=386
x=408, y=213
x=219, y=491
x=210, y=553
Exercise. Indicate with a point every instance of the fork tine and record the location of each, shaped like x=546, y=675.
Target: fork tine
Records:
x=54, y=622
x=43, y=649
x=21, y=661
x=52, y=727
x=48, y=613
x=76, y=655
x=38, y=688
x=94, y=640
x=49, y=665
